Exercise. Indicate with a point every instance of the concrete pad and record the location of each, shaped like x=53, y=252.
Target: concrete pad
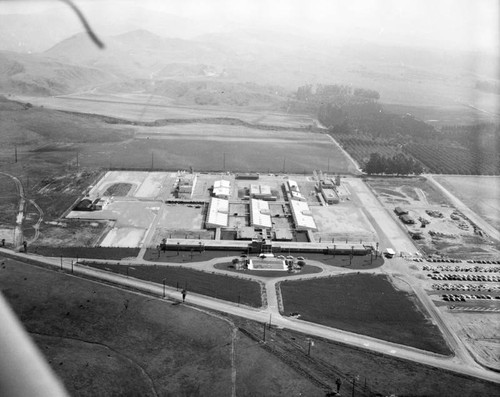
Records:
x=124, y=237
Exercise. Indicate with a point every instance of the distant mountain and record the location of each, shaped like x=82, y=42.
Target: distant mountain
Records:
x=37, y=32
x=139, y=54
x=30, y=33
x=28, y=74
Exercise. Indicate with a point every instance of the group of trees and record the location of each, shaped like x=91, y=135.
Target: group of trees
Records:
x=398, y=164
x=335, y=96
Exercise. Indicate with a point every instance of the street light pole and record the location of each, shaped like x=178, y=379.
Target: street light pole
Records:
x=164, y=287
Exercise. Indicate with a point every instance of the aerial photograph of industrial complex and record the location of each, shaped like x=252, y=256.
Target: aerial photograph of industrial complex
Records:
x=249, y=198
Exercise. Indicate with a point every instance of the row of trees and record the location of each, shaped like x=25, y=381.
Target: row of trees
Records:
x=398, y=164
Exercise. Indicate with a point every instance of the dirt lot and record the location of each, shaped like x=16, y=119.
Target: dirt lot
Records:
x=447, y=231
x=342, y=221
x=480, y=331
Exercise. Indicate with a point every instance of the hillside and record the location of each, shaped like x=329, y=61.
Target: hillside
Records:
x=28, y=74
x=138, y=53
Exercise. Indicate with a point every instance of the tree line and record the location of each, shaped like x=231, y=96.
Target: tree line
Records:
x=398, y=164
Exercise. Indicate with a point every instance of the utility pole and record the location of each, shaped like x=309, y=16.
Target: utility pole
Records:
x=311, y=343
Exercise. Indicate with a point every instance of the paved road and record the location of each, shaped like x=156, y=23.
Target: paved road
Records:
x=455, y=363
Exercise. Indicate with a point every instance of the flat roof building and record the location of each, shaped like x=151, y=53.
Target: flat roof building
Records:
x=302, y=216
x=218, y=213
x=293, y=190
x=330, y=195
x=186, y=184
x=222, y=189
x=260, y=216
x=261, y=192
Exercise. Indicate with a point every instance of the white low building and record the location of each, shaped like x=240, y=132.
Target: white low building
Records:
x=302, y=215
x=222, y=189
x=260, y=216
x=218, y=213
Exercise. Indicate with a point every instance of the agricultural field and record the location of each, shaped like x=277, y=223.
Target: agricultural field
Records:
x=383, y=312
x=446, y=159
x=149, y=108
x=273, y=152
x=479, y=193
x=444, y=115
x=360, y=148
x=446, y=231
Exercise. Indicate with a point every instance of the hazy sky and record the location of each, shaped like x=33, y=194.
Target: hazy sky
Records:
x=457, y=24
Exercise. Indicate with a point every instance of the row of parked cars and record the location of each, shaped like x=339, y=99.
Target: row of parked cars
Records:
x=448, y=260
x=466, y=287
x=464, y=277
x=477, y=269
x=465, y=298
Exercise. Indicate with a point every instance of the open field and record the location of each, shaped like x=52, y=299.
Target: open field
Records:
x=217, y=286
x=447, y=231
x=378, y=375
x=141, y=108
x=104, y=341
x=238, y=149
x=364, y=304
x=459, y=114
x=479, y=193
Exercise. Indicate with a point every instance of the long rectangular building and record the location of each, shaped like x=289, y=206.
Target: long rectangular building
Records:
x=302, y=215
x=260, y=216
x=218, y=213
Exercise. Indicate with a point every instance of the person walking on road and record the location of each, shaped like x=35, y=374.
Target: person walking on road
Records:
x=184, y=292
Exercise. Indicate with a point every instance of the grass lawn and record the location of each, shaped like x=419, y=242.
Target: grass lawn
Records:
x=364, y=304
x=102, y=341
x=112, y=253
x=187, y=256
x=356, y=262
x=217, y=286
